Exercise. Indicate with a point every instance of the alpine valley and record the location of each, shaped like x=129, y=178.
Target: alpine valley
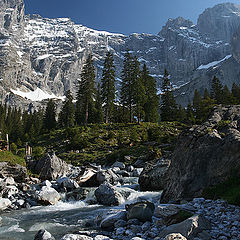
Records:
x=42, y=58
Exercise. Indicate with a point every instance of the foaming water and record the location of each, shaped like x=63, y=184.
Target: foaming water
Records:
x=64, y=217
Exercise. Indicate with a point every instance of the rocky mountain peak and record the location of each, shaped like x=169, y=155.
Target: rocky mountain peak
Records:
x=220, y=22
x=176, y=23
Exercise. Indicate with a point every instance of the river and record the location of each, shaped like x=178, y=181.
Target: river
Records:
x=64, y=217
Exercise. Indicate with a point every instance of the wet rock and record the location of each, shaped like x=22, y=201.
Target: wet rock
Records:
x=120, y=165
x=76, y=237
x=76, y=195
x=143, y=211
x=110, y=220
x=137, y=172
x=43, y=235
x=108, y=195
x=107, y=176
x=67, y=184
x=48, y=196
x=50, y=167
x=120, y=223
x=188, y=228
x=4, y=203
x=175, y=236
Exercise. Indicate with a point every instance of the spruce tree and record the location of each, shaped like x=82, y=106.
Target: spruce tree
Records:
x=216, y=90
x=139, y=92
x=152, y=100
x=227, y=97
x=67, y=114
x=236, y=93
x=168, y=103
x=108, y=87
x=197, y=101
x=49, y=118
x=127, y=85
x=99, y=116
x=85, y=92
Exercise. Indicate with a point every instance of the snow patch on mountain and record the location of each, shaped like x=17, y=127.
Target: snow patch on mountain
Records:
x=212, y=64
x=36, y=95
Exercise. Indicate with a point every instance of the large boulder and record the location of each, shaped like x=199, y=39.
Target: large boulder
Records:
x=153, y=176
x=51, y=167
x=16, y=171
x=108, y=195
x=143, y=211
x=205, y=155
x=48, y=196
x=189, y=228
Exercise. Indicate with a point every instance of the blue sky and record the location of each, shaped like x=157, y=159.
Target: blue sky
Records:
x=121, y=16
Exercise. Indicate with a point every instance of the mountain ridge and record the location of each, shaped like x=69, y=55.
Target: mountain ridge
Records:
x=48, y=54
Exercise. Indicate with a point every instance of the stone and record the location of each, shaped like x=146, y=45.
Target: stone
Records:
x=4, y=203
x=68, y=184
x=143, y=211
x=137, y=172
x=175, y=236
x=43, y=235
x=146, y=226
x=153, y=177
x=76, y=237
x=9, y=191
x=107, y=176
x=50, y=167
x=108, y=195
x=110, y=220
x=101, y=237
x=48, y=196
x=188, y=228
x=119, y=165
x=120, y=223
x=15, y=171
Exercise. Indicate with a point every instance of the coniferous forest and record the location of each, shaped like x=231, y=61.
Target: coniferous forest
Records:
x=98, y=103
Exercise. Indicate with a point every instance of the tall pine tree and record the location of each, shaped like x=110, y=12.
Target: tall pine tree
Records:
x=127, y=85
x=108, y=87
x=67, y=114
x=49, y=118
x=86, y=91
x=152, y=100
x=168, y=104
x=216, y=90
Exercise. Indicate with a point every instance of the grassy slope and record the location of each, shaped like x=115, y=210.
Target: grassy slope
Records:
x=11, y=158
x=106, y=143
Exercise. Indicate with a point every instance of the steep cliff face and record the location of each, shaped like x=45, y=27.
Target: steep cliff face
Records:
x=220, y=22
x=40, y=56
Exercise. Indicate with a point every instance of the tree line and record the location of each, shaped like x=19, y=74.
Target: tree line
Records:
x=137, y=101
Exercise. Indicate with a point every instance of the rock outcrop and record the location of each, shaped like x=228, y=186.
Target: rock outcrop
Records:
x=205, y=155
x=50, y=167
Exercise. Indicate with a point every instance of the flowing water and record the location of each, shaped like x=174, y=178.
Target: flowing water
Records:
x=62, y=218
